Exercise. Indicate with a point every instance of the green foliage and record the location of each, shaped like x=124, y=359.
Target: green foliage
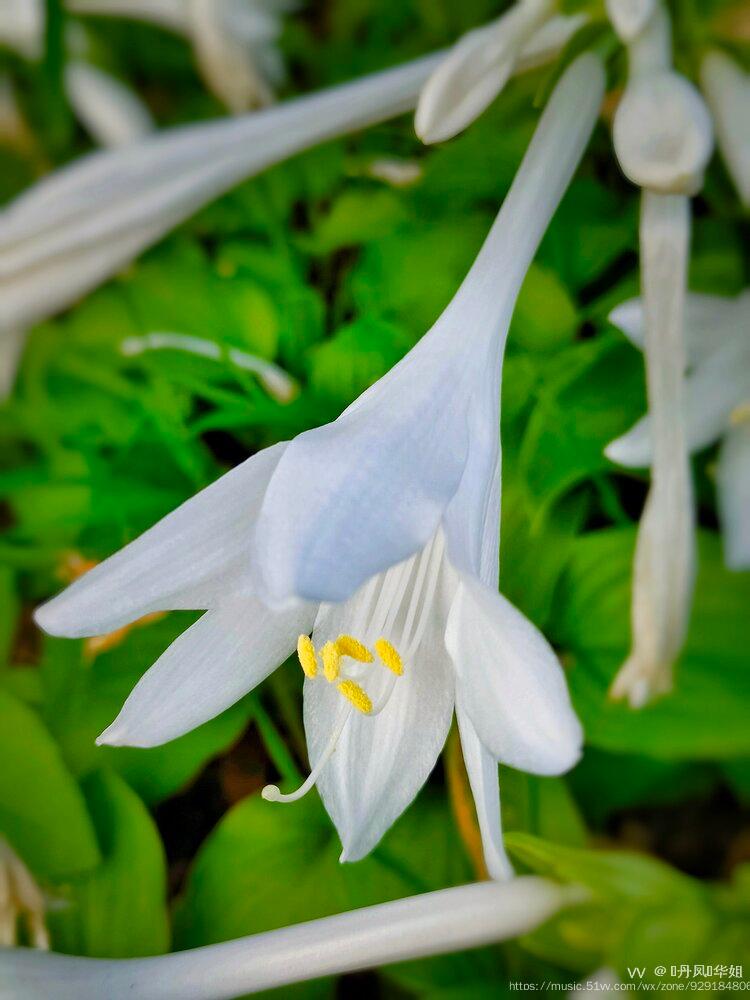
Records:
x=334, y=275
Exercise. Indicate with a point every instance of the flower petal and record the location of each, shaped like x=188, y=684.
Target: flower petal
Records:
x=733, y=481
x=712, y=391
x=510, y=683
x=111, y=112
x=481, y=768
x=727, y=89
x=189, y=560
x=629, y=17
x=710, y=322
x=225, y=654
x=475, y=71
x=381, y=761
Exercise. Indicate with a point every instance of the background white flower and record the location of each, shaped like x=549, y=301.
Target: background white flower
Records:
x=717, y=336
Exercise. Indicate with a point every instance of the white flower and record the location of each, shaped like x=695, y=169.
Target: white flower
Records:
x=22, y=26
x=390, y=514
x=21, y=902
x=663, y=140
x=727, y=89
x=73, y=230
x=415, y=927
x=630, y=17
x=717, y=334
x=482, y=61
x=234, y=41
x=108, y=109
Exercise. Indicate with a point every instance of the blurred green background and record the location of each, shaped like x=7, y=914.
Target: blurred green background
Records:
x=334, y=275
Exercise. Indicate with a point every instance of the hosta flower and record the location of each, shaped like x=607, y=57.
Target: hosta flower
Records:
x=75, y=229
x=727, y=90
x=390, y=516
x=663, y=139
x=415, y=927
x=109, y=110
x=480, y=64
x=21, y=902
x=234, y=40
x=717, y=404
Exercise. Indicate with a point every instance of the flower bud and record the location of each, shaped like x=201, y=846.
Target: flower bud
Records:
x=663, y=135
x=727, y=90
x=629, y=17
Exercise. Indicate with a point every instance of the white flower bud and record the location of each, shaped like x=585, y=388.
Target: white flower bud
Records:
x=629, y=17
x=727, y=90
x=663, y=135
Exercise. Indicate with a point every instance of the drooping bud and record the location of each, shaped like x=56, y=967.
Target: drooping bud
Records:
x=727, y=89
x=663, y=136
x=629, y=17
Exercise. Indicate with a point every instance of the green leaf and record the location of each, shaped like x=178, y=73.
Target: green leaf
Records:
x=592, y=625
x=119, y=909
x=356, y=216
x=42, y=811
x=355, y=357
x=545, y=315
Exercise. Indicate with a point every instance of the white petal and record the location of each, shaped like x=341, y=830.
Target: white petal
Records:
x=733, y=481
x=713, y=390
x=188, y=560
x=664, y=567
x=510, y=683
x=111, y=112
x=11, y=348
x=629, y=17
x=710, y=321
x=128, y=198
x=170, y=14
x=418, y=926
x=481, y=767
x=727, y=89
x=381, y=761
x=22, y=26
x=354, y=497
x=549, y=40
x=225, y=654
x=225, y=60
x=475, y=71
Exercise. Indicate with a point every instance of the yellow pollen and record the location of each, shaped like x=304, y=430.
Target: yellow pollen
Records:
x=390, y=656
x=331, y=661
x=739, y=414
x=307, y=658
x=349, y=646
x=356, y=695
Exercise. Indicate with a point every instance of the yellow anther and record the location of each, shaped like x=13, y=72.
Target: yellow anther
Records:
x=356, y=695
x=390, y=656
x=331, y=661
x=307, y=658
x=740, y=414
x=349, y=646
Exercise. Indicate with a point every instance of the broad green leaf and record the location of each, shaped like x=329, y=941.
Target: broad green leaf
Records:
x=119, y=909
x=356, y=216
x=42, y=811
x=545, y=315
x=592, y=622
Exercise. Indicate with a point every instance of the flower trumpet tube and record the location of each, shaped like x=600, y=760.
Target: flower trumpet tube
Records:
x=388, y=556
x=418, y=926
x=76, y=228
